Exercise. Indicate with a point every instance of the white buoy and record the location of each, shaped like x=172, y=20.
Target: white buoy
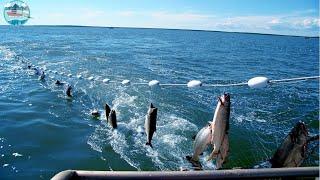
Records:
x=106, y=81
x=79, y=76
x=125, y=82
x=194, y=83
x=153, y=83
x=90, y=78
x=258, y=82
x=69, y=75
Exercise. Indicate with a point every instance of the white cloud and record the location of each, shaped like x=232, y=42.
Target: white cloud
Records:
x=275, y=21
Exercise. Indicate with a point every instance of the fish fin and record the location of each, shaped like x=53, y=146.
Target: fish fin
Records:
x=151, y=105
x=194, y=137
x=149, y=144
x=212, y=156
x=188, y=158
x=194, y=163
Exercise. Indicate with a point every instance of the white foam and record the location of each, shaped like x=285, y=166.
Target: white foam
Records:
x=16, y=154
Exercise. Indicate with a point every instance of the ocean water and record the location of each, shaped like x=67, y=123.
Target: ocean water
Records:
x=42, y=132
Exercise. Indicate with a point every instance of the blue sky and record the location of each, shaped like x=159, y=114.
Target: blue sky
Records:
x=293, y=17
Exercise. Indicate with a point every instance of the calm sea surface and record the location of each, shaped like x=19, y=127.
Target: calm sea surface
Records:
x=42, y=132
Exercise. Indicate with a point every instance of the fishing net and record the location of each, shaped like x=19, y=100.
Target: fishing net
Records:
x=260, y=118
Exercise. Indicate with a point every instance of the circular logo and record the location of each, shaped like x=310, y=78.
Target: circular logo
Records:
x=16, y=12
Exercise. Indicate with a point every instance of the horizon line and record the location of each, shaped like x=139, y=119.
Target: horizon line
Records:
x=178, y=29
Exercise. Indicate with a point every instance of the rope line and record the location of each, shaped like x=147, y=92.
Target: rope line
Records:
x=190, y=84
x=295, y=79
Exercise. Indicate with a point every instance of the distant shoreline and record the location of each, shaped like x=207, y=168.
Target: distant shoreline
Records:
x=114, y=27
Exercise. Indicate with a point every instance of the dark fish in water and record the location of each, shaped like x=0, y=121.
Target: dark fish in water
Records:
x=95, y=113
x=112, y=119
x=150, y=123
x=42, y=76
x=68, y=90
x=292, y=151
x=37, y=71
x=220, y=128
x=58, y=83
x=202, y=140
x=107, y=111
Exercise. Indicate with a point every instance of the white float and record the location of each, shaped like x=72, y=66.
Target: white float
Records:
x=90, y=78
x=125, y=82
x=69, y=75
x=258, y=82
x=194, y=83
x=79, y=76
x=153, y=83
x=106, y=81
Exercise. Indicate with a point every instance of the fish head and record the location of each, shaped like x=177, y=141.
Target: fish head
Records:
x=299, y=131
x=224, y=100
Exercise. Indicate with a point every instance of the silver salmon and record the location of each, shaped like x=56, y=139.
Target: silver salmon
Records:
x=220, y=128
x=202, y=140
x=150, y=123
x=292, y=151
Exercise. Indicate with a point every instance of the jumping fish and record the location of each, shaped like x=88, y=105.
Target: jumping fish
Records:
x=107, y=111
x=202, y=140
x=292, y=151
x=42, y=76
x=220, y=127
x=150, y=123
x=68, y=90
x=112, y=119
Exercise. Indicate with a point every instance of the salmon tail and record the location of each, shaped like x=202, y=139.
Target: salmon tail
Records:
x=149, y=144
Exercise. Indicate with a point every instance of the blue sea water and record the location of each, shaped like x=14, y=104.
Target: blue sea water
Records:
x=42, y=132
